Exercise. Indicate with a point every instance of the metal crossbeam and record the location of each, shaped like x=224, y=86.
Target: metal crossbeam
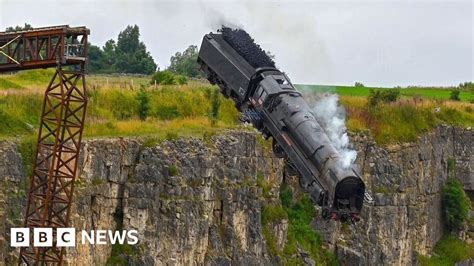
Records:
x=43, y=47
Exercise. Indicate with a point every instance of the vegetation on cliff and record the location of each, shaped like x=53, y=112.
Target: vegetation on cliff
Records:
x=448, y=251
x=301, y=236
x=455, y=205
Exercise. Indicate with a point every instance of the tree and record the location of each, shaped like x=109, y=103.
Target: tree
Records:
x=19, y=28
x=468, y=85
x=127, y=55
x=131, y=53
x=102, y=60
x=185, y=63
x=96, y=55
x=358, y=84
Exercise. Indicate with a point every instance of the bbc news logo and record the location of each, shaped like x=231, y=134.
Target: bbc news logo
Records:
x=66, y=237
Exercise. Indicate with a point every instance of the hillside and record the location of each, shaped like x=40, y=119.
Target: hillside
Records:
x=185, y=110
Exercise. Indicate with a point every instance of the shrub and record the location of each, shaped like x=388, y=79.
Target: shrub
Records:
x=215, y=105
x=122, y=103
x=181, y=80
x=286, y=196
x=455, y=95
x=448, y=251
x=167, y=77
x=173, y=170
x=273, y=213
x=455, y=205
x=265, y=185
x=377, y=97
x=143, y=99
x=300, y=213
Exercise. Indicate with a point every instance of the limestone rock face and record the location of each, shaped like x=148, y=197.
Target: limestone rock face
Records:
x=191, y=202
x=197, y=202
x=12, y=197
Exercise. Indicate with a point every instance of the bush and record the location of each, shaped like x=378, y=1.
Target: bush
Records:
x=377, y=97
x=455, y=95
x=215, y=105
x=173, y=170
x=455, y=205
x=122, y=104
x=143, y=104
x=448, y=251
x=273, y=213
x=168, y=78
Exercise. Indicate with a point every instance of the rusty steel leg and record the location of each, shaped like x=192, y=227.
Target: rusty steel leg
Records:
x=52, y=181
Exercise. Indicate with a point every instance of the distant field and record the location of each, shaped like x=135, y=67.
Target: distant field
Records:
x=184, y=110
x=431, y=93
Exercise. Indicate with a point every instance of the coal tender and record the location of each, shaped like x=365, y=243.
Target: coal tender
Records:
x=265, y=96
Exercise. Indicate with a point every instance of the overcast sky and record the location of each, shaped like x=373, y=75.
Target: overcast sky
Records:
x=379, y=43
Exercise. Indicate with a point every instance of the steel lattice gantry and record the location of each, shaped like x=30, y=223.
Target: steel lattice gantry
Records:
x=60, y=132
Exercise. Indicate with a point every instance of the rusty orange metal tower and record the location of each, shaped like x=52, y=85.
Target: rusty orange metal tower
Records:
x=62, y=123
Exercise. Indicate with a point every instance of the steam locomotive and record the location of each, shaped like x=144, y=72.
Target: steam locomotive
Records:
x=266, y=97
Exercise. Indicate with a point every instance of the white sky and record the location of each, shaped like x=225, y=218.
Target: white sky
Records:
x=379, y=43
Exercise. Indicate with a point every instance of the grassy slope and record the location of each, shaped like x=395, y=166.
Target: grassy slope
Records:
x=184, y=110
x=113, y=108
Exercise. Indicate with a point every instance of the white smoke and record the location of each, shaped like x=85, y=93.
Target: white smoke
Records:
x=332, y=117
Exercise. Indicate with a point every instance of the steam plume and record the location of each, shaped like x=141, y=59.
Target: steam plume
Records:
x=332, y=117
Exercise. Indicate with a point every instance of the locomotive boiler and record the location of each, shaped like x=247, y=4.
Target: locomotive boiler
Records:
x=267, y=99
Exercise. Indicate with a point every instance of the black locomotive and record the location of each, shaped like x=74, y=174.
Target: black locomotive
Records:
x=268, y=100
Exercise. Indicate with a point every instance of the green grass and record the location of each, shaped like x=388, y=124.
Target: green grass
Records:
x=185, y=110
x=174, y=111
x=404, y=120
x=7, y=84
x=264, y=184
x=424, y=92
x=25, y=79
x=448, y=251
x=19, y=114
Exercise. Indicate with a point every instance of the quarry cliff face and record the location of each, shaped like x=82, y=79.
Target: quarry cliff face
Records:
x=200, y=201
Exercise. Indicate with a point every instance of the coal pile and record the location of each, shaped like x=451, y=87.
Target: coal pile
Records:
x=246, y=47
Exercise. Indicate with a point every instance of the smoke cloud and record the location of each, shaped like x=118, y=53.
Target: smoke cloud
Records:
x=332, y=118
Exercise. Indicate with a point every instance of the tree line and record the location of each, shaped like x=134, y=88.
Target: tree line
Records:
x=129, y=55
